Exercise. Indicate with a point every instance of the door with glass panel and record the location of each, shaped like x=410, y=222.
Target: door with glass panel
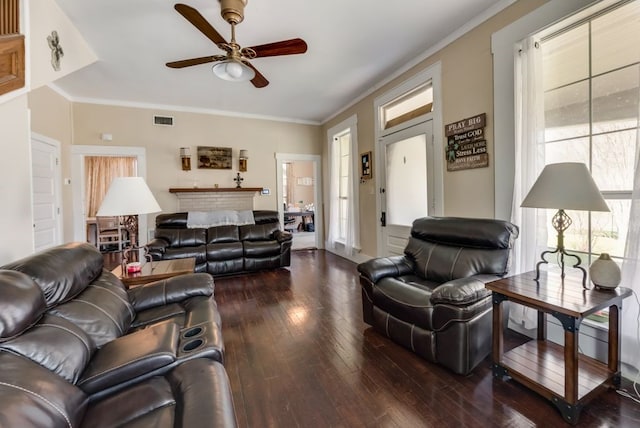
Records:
x=406, y=186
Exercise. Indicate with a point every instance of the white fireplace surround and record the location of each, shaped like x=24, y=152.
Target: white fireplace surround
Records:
x=215, y=199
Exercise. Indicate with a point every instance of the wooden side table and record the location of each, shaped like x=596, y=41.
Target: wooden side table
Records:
x=154, y=271
x=559, y=374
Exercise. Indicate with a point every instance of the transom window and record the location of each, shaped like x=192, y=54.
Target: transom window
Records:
x=410, y=105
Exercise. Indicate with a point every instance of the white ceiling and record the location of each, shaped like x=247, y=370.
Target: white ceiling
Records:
x=354, y=45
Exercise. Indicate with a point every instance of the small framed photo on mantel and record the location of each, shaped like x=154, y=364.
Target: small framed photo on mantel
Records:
x=366, y=166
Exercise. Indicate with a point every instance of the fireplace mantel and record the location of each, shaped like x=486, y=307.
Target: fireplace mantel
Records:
x=213, y=189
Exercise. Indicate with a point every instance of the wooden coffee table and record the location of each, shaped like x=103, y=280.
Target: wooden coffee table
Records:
x=154, y=271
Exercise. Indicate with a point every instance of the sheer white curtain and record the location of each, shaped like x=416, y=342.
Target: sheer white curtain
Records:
x=529, y=161
x=631, y=269
x=334, y=190
x=350, y=243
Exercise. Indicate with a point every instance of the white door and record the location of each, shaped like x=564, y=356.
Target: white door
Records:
x=406, y=183
x=45, y=170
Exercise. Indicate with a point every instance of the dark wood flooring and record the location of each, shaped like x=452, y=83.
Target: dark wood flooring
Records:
x=299, y=355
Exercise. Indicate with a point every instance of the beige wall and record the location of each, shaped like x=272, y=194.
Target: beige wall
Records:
x=46, y=16
x=467, y=90
x=15, y=181
x=134, y=127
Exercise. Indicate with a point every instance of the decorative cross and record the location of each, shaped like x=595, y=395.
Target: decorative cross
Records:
x=238, y=180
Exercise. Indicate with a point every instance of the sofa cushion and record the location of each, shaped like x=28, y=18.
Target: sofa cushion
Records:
x=258, y=232
x=56, y=344
x=225, y=251
x=194, y=394
x=82, y=263
x=103, y=310
x=407, y=298
x=22, y=303
x=224, y=267
x=32, y=396
x=257, y=249
x=198, y=252
x=220, y=234
x=183, y=237
x=441, y=263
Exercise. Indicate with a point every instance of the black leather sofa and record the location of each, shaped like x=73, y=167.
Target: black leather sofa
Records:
x=433, y=299
x=78, y=349
x=222, y=250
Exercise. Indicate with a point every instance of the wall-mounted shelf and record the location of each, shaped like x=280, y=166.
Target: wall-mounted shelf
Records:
x=213, y=189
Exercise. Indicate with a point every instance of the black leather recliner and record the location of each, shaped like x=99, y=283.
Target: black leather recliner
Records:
x=433, y=299
x=78, y=349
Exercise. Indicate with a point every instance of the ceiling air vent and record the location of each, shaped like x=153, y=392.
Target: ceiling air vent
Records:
x=163, y=120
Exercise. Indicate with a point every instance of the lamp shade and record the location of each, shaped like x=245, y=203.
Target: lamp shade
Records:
x=565, y=186
x=244, y=154
x=233, y=70
x=128, y=196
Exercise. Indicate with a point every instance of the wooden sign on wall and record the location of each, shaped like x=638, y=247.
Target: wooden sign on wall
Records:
x=466, y=144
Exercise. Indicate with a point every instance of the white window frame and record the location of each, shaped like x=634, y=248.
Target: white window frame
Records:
x=348, y=125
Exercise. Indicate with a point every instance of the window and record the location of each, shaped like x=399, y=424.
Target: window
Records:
x=410, y=105
x=343, y=193
x=341, y=149
x=591, y=90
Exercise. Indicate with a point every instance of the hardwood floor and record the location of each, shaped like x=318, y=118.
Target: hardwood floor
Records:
x=299, y=355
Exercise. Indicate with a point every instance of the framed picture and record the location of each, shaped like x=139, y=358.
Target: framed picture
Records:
x=366, y=166
x=214, y=157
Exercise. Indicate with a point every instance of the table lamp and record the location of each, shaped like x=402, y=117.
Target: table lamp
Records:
x=128, y=197
x=566, y=185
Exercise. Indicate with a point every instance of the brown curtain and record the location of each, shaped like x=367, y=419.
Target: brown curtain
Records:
x=100, y=170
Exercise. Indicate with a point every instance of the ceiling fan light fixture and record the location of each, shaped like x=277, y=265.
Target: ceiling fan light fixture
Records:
x=233, y=71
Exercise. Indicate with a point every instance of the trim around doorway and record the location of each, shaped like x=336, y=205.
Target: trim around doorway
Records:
x=317, y=170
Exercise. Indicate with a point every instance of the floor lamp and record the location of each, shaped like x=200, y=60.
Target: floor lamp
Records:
x=128, y=197
x=564, y=186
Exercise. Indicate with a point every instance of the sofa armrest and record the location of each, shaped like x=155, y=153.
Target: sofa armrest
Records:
x=282, y=236
x=157, y=247
x=376, y=269
x=171, y=290
x=131, y=356
x=462, y=291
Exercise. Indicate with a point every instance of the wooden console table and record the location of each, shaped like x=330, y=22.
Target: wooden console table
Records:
x=559, y=374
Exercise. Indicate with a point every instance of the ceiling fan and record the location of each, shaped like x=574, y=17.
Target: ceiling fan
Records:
x=234, y=65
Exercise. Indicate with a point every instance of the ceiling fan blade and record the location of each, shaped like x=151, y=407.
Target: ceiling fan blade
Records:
x=194, y=61
x=259, y=81
x=198, y=21
x=285, y=47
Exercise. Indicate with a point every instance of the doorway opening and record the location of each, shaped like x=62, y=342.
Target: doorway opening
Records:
x=299, y=196
x=84, y=225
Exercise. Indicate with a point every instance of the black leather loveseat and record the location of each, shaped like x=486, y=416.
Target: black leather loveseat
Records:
x=433, y=299
x=222, y=250
x=79, y=350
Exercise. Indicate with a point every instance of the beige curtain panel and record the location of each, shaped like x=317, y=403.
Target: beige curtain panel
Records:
x=100, y=170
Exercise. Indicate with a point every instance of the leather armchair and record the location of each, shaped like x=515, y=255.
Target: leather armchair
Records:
x=432, y=299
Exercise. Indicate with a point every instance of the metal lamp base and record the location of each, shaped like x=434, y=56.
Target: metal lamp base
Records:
x=561, y=222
